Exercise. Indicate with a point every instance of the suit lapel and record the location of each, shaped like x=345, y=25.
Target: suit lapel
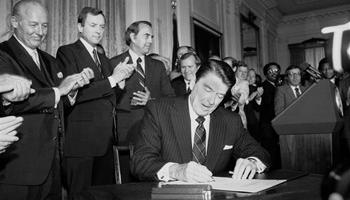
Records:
x=148, y=71
x=216, y=140
x=45, y=70
x=290, y=92
x=25, y=60
x=182, y=127
x=88, y=60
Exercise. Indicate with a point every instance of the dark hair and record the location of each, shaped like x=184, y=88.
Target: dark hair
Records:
x=153, y=54
x=89, y=10
x=322, y=63
x=189, y=48
x=258, y=80
x=290, y=67
x=230, y=58
x=189, y=54
x=134, y=28
x=16, y=8
x=268, y=65
x=220, y=68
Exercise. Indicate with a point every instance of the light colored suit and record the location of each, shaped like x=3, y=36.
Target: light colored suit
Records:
x=284, y=97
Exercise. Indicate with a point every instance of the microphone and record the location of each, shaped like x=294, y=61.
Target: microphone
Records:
x=313, y=72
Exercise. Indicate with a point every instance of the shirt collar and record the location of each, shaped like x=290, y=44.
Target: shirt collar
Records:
x=134, y=56
x=88, y=46
x=293, y=87
x=193, y=114
x=191, y=83
x=29, y=50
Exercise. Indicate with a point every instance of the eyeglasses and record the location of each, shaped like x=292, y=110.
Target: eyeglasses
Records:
x=294, y=74
x=273, y=71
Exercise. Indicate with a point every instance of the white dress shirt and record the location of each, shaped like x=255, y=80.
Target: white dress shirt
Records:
x=164, y=175
x=33, y=53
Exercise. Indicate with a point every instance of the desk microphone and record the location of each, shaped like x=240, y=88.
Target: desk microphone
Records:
x=313, y=72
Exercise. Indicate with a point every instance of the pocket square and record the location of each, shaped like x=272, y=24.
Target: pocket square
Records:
x=227, y=147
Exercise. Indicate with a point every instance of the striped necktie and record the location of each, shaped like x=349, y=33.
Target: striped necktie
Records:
x=198, y=150
x=140, y=73
x=97, y=61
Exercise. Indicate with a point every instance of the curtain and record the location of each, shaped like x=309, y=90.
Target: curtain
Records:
x=314, y=55
x=63, y=16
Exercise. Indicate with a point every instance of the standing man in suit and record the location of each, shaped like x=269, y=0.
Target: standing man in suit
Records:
x=189, y=65
x=149, y=80
x=289, y=92
x=29, y=168
x=269, y=137
x=190, y=138
x=90, y=124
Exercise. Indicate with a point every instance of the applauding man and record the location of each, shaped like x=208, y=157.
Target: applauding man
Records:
x=88, y=155
x=29, y=168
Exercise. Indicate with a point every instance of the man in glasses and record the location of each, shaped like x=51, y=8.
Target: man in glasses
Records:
x=267, y=113
x=289, y=92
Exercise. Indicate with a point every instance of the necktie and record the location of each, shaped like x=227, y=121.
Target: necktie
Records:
x=97, y=61
x=140, y=73
x=198, y=149
x=188, y=90
x=297, y=92
x=35, y=57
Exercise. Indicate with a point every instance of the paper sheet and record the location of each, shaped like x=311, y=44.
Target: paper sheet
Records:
x=229, y=184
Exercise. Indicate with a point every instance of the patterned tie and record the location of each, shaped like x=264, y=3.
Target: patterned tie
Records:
x=97, y=61
x=297, y=92
x=140, y=73
x=198, y=150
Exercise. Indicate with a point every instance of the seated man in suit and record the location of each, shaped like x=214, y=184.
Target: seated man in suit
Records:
x=189, y=65
x=289, y=92
x=190, y=138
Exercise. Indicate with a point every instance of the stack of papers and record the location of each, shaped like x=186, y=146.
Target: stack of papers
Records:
x=229, y=184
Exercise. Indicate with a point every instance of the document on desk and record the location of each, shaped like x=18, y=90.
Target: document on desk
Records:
x=229, y=184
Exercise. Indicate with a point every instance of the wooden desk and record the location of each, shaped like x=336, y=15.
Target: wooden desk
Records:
x=305, y=187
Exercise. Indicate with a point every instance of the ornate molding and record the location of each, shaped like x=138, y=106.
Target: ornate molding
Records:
x=317, y=14
x=269, y=4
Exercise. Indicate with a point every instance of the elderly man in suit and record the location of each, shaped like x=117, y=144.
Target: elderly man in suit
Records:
x=29, y=168
x=149, y=80
x=88, y=155
x=189, y=65
x=289, y=92
x=190, y=138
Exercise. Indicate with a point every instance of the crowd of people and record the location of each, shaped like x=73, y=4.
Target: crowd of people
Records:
x=61, y=116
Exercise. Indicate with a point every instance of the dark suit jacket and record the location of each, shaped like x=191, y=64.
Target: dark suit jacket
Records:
x=156, y=81
x=166, y=137
x=28, y=161
x=89, y=123
x=179, y=86
x=267, y=109
x=284, y=97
